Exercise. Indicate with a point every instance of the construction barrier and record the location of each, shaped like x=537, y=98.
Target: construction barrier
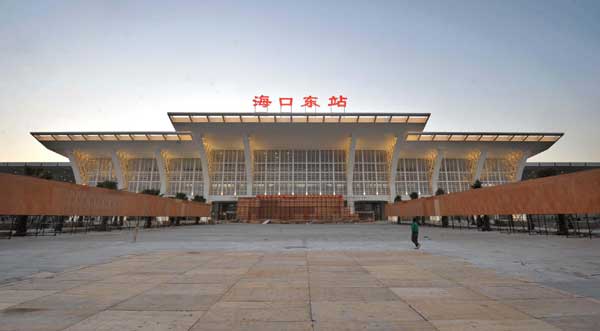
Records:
x=293, y=208
x=576, y=193
x=30, y=196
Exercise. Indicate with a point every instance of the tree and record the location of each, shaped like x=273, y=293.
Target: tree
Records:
x=109, y=184
x=397, y=198
x=181, y=196
x=199, y=198
x=38, y=172
x=151, y=191
x=476, y=184
x=440, y=191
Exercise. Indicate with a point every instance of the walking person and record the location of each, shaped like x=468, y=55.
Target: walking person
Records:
x=414, y=229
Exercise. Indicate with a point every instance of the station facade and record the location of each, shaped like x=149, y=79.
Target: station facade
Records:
x=368, y=158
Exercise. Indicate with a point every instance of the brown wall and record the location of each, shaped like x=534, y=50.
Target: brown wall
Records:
x=22, y=195
x=577, y=193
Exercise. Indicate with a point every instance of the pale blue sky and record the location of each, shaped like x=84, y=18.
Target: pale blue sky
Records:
x=475, y=65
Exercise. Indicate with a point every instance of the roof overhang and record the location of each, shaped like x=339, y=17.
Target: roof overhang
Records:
x=112, y=136
x=459, y=144
x=298, y=130
x=135, y=143
x=482, y=137
x=282, y=117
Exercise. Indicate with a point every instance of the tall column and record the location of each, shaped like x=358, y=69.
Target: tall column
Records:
x=394, y=168
x=435, y=175
x=248, y=164
x=75, y=166
x=119, y=173
x=350, y=172
x=480, y=163
x=204, y=160
x=520, y=166
x=162, y=171
x=350, y=166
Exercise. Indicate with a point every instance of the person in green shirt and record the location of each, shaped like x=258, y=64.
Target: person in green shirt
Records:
x=414, y=229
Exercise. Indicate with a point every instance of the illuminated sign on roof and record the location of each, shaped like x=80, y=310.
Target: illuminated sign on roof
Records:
x=310, y=102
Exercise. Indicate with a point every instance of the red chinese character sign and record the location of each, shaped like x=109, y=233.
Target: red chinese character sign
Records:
x=262, y=101
x=285, y=102
x=310, y=102
x=339, y=102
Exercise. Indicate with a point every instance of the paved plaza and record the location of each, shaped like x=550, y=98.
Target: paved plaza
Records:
x=298, y=277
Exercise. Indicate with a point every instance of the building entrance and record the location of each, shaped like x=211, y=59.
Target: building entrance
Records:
x=224, y=210
x=369, y=210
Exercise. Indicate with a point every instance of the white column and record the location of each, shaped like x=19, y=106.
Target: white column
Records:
x=350, y=166
x=75, y=166
x=394, y=169
x=204, y=161
x=437, y=164
x=521, y=166
x=119, y=173
x=248, y=165
x=480, y=164
x=350, y=173
x=162, y=171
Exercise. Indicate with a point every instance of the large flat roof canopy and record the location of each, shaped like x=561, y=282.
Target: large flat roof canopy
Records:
x=283, y=117
x=483, y=136
x=112, y=136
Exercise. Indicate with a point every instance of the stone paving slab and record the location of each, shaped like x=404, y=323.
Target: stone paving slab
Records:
x=433, y=309
x=241, y=312
x=494, y=325
x=138, y=320
x=253, y=326
x=557, y=307
x=451, y=293
x=374, y=326
x=28, y=319
x=575, y=323
x=364, y=311
x=366, y=294
x=346, y=290
x=14, y=297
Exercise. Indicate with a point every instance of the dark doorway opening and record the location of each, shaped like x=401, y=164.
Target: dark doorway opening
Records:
x=370, y=210
x=224, y=210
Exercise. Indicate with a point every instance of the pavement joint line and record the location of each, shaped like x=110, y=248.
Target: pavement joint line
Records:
x=385, y=286
x=312, y=320
x=225, y=292
x=119, y=302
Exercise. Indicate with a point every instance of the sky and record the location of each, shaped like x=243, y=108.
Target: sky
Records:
x=517, y=66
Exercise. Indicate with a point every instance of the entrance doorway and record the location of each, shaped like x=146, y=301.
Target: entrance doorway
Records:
x=369, y=210
x=224, y=210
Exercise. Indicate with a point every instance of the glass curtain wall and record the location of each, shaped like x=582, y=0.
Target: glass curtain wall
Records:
x=456, y=175
x=185, y=176
x=496, y=172
x=99, y=170
x=371, y=173
x=227, y=172
x=414, y=175
x=142, y=174
x=299, y=172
